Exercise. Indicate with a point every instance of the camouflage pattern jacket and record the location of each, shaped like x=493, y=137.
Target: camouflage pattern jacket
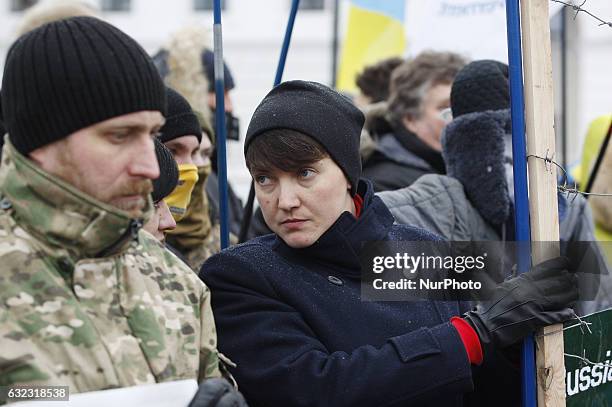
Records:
x=87, y=299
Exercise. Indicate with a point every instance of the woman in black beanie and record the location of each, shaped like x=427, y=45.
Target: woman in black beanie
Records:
x=288, y=305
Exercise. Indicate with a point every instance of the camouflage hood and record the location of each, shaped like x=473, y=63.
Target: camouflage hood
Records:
x=61, y=215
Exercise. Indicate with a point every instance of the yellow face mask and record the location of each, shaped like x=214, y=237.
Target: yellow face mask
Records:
x=179, y=199
x=195, y=225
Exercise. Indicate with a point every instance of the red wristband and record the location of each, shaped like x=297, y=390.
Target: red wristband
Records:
x=470, y=340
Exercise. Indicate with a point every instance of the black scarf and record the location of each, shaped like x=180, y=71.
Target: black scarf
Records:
x=412, y=143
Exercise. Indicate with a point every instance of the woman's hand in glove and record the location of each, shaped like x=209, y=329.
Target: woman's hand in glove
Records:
x=540, y=297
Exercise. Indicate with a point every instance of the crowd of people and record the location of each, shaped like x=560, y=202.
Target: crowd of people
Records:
x=112, y=273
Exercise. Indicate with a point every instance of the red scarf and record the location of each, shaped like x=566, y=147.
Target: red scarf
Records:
x=358, y=200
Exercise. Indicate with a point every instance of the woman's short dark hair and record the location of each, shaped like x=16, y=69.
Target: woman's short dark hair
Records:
x=284, y=149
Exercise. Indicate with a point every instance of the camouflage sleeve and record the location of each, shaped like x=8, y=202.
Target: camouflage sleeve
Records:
x=209, y=356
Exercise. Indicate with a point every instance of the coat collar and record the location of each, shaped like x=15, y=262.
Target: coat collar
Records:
x=60, y=215
x=340, y=246
x=391, y=148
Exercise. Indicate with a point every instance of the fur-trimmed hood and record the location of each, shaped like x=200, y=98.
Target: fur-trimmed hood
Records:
x=474, y=148
x=47, y=11
x=477, y=150
x=180, y=64
x=376, y=124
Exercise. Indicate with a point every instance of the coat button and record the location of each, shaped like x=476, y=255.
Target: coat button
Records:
x=5, y=204
x=334, y=280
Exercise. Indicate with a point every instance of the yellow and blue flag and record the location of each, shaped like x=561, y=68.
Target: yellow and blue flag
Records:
x=375, y=31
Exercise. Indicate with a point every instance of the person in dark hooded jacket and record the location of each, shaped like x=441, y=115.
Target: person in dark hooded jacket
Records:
x=288, y=306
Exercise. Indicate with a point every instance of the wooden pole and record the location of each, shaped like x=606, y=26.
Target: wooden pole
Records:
x=539, y=120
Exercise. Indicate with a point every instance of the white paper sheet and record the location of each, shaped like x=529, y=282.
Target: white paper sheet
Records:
x=170, y=394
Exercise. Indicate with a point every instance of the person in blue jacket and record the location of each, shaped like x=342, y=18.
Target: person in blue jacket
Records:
x=288, y=306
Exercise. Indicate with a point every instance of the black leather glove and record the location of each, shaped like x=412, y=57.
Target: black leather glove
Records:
x=519, y=306
x=217, y=393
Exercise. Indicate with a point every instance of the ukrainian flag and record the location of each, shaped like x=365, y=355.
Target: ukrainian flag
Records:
x=375, y=31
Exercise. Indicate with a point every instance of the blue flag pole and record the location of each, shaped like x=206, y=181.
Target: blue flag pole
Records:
x=286, y=41
x=220, y=126
x=521, y=200
x=248, y=208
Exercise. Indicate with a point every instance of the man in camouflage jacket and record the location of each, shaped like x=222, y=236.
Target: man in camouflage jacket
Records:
x=87, y=299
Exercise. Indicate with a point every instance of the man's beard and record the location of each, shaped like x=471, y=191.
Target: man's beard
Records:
x=142, y=187
x=134, y=207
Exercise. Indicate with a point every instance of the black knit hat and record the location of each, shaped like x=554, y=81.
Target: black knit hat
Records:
x=208, y=60
x=73, y=73
x=319, y=112
x=180, y=120
x=168, y=172
x=480, y=86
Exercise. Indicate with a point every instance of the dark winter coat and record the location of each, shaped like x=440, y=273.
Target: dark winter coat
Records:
x=294, y=322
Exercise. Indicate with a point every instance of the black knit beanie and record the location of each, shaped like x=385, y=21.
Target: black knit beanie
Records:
x=319, y=112
x=208, y=61
x=168, y=172
x=180, y=120
x=480, y=86
x=70, y=74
